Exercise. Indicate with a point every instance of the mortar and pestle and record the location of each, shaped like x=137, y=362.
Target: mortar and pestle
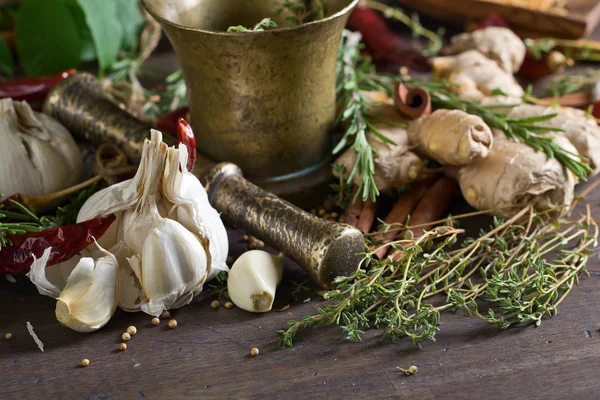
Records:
x=274, y=123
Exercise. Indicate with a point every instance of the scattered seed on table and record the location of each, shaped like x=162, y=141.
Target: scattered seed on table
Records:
x=155, y=321
x=122, y=347
x=215, y=304
x=8, y=336
x=165, y=314
x=132, y=330
x=334, y=215
x=126, y=336
x=245, y=238
x=229, y=305
x=172, y=323
x=322, y=212
x=254, y=352
x=85, y=362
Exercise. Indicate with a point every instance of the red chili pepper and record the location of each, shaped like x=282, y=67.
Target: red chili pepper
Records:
x=32, y=89
x=65, y=241
x=596, y=109
x=185, y=135
x=167, y=124
x=383, y=42
x=493, y=19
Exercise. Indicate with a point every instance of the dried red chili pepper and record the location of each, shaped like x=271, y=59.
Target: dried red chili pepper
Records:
x=185, y=135
x=547, y=64
x=596, y=109
x=65, y=241
x=493, y=19
x=32, y=89
x=383, y=42
x=167, y=124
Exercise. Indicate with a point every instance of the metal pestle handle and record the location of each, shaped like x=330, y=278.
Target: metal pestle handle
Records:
x=322, y=248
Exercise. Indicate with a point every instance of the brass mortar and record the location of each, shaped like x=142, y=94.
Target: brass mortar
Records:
x=262, y=100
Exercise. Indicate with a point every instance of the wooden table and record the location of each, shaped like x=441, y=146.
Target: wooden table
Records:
x=207, y=355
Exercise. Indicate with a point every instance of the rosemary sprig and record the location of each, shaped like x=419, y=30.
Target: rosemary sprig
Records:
x=352, y=73
x=523, y=130
x=521, y=268
x=16, y=222
x=264, y=24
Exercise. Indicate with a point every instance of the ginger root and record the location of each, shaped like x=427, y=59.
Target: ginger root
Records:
x=581, y=130
x=451, y=137
x=513, y=175
x=496, y=43
x=395, y=166
x=475, y=76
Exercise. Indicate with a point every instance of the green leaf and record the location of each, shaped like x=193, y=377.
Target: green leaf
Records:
x=88, y=49
x=107, y=32
x=6, y=58
x=47, y=37
x=132, y=21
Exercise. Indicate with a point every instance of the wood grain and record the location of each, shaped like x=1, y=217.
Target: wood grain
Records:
x=581, y=18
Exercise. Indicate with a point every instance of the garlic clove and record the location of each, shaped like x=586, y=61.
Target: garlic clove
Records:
x=253, y=279
x=174, y=263
x=90, y=297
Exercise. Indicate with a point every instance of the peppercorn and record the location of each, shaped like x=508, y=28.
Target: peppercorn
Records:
x=126, y=336
x=155, y=321
x=334, y=215
x=254, y=352
x=172, y=323
x=8, y=336
x=229, y=305
x=85, y=362
x=322, y=212
x=215, y=304
x=245, y=238
x=122, y=347
x=165, y=314
x=132, y=330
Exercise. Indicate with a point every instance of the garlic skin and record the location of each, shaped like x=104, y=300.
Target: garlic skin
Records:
x=38, y=154
x=253, y=279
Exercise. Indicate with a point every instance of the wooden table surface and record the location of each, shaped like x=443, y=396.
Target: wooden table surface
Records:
x=207, y=355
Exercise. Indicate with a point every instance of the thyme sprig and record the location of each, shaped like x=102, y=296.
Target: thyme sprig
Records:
x=522, y=269
x=301, y=11
x=524, y=130
x=19, y=221
x=434, y=39
x=264, y=24
x=566, y=84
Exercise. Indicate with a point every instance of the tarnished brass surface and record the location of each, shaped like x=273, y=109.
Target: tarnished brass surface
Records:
x=322, y=248
x=262, y=100
x=79, y=103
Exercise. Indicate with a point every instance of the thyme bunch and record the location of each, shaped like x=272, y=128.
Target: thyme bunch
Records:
x=522, y=269
x=19, y=221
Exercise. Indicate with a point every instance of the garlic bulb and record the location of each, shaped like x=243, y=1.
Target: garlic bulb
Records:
x=166, y=241
x=253, y=279
x=38, y=154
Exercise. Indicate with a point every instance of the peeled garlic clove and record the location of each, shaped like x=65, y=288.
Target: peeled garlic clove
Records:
x=253, y=279
x=90, y=297
x=174, y=264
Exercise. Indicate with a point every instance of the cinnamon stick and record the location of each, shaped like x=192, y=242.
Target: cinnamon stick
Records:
x=367, y=216
x=399, y=214
x=411, y=103
x=352, y=214
x=431, y=207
